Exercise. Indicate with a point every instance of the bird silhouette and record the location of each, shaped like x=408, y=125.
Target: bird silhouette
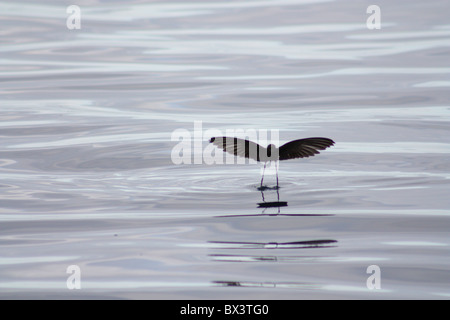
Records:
x=301, y=148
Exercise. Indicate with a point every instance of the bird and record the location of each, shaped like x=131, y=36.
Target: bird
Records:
x=301, y=148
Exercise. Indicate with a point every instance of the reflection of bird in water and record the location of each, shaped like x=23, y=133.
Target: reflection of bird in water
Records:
x=301, y=148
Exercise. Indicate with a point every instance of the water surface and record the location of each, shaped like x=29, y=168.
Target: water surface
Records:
x=87, y=179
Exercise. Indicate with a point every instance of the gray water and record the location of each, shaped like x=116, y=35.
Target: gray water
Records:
x=87, y=178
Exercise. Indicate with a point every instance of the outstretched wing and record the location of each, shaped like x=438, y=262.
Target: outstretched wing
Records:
x=239, y=147
x=304, y=148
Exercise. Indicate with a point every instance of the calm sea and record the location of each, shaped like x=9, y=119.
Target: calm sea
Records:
x=93, y=205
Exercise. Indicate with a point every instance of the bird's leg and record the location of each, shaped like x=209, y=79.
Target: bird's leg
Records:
x=264, y=170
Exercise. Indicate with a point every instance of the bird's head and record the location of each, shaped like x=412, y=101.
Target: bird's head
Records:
x=272, y=152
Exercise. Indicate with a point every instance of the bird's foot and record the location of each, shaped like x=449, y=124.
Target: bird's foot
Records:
x=263, y=188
